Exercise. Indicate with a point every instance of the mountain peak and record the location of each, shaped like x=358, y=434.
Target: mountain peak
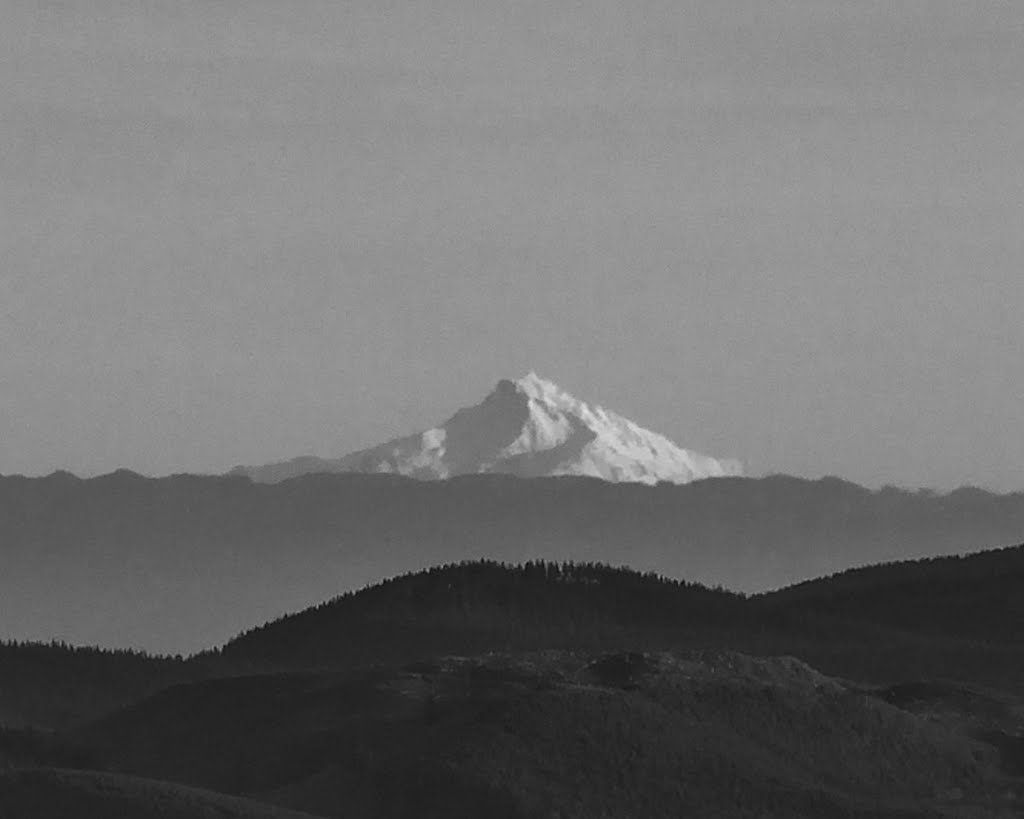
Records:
x=532, y=381
x=533, y=386
x=542, y=389
x=529, y=427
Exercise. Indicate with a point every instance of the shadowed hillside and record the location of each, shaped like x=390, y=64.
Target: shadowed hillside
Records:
x=976, y=597
x=562, y=734
x=54, y=685
x=181, y=563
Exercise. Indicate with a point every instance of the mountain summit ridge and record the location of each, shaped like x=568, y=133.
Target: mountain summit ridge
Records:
x=530, y=427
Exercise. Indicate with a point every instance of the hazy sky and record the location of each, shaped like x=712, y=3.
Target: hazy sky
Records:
x=239, y=231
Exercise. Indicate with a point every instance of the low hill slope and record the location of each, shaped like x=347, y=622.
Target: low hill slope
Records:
x=561, y=734
x=976, y=597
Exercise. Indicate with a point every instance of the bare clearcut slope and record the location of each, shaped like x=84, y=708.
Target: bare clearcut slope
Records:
x=530, y=428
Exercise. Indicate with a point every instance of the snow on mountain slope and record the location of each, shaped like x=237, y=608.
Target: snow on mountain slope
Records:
x=531, y=428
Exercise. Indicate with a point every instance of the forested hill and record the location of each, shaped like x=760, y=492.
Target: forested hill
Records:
x=952, y=617
x=182, y=563
x=485, y=605
x=977, y=596
x=477, y=607
x=54, y=685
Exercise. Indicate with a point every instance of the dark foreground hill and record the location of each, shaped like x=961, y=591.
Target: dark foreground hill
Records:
x=181, y=563
x=709, y=734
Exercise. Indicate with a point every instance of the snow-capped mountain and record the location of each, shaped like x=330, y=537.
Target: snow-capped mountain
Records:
x=531, y=428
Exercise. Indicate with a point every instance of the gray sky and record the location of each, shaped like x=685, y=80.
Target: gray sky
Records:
x=790, y=232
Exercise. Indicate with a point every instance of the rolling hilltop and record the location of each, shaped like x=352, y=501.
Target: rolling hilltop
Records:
x=480, y=606
x=477, y=607
x=974, y=597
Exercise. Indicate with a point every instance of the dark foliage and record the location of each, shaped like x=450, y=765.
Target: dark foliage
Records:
x=54, y=685
x=37, y=747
